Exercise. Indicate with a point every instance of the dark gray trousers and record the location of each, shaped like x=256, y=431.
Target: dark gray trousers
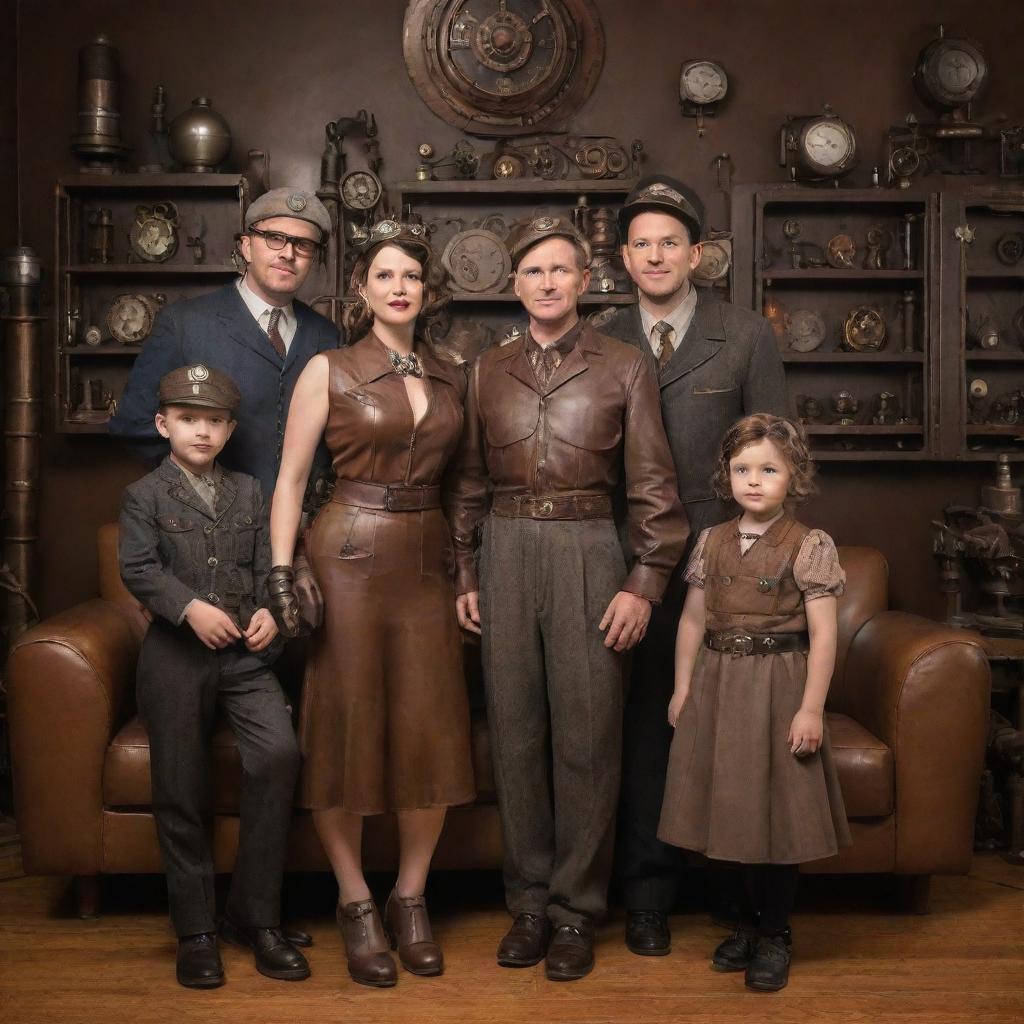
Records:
x=180, y=685
x=554, y=699
x=648, y=868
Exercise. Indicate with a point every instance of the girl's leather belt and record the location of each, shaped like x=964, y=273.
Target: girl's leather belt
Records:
x=561, y=506
x=388, y=497
x=739, y=642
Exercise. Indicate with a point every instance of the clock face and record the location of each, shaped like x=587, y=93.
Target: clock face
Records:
x=957, y=70
x=828, y=144
x=360, y=190
x=806, y=330
x=503, y=66
x=951, y=73
x=130, y=319
x=703, y=81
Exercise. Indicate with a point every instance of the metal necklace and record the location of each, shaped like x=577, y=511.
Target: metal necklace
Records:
x=405, y=366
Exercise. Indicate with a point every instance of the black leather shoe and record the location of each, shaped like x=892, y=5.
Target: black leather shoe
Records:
x=199, y=963
x=647, y=933
x=297, y=937
x=736, y=951
x=526, y=941
x=571, y=953
x=274, y=955
x=769, y=968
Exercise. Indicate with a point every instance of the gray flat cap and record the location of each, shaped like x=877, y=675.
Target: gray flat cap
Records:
x=289, y=202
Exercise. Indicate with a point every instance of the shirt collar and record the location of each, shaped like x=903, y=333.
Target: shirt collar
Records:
x=680, y=317
x=211, y=478
x=259, y=307
x=565, y=344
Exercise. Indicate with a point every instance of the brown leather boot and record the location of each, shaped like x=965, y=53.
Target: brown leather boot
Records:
x=366, y=946
x=406, y=921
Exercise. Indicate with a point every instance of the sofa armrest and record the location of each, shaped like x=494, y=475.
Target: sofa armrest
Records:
x=923, y=689
x=67, y=681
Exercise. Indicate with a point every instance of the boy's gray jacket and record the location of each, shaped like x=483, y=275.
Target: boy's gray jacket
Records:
x=172, y=549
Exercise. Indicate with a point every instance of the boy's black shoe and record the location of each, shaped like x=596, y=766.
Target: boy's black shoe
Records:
x=647, y=933
x=199, y=963
x=769, y=968
x=275, y=956
x=735, y=952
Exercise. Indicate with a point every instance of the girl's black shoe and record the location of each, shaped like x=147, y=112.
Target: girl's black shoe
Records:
x=736, y=951
x=768, y=969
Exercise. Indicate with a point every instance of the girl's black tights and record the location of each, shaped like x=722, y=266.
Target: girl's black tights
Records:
x=765, y=894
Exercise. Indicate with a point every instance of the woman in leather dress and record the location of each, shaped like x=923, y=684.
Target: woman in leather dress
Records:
x=384, y=724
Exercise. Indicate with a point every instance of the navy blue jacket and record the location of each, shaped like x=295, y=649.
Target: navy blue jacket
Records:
x=218, y=331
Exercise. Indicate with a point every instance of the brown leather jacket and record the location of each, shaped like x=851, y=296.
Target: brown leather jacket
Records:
x=599, y=420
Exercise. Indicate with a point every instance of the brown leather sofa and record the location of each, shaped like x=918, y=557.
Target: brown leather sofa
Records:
x=908, y=712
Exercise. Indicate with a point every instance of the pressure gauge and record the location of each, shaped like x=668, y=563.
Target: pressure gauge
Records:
x=702, y=82
x=818, y=147
x=360, y=190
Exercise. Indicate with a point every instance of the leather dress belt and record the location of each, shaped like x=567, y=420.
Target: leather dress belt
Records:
x=563, y=506
x=387, y=497
x=738, y=642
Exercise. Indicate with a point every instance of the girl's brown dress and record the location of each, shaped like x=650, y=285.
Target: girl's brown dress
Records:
x=385, y=720
x=734, y=791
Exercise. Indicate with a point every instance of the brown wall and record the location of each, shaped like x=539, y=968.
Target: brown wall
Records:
x=280, y=71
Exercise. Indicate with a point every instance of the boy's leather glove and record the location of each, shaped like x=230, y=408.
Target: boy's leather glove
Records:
x=282, y=602
x=307, y=592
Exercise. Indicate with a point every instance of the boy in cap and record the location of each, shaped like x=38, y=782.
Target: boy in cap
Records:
x=194, y=550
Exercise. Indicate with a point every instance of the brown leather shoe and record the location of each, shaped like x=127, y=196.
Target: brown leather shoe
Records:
x=571, y=953
x=366, y=946
x=526, y=941
x=407, y=924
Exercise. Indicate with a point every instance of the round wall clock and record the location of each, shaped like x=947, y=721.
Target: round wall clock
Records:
x=477, y=261
x=360, y=190
x=951, y=73
x=503, y=67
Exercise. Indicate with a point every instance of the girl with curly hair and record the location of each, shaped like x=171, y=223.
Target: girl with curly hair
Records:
x=751, y=780
x=384, y=723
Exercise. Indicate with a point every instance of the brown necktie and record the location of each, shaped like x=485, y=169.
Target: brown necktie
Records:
x=665, y=349
x=274, y=334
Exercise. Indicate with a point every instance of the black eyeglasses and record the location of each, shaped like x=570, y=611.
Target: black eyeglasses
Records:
x=276, y=240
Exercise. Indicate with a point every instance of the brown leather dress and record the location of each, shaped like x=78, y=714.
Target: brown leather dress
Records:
x=734, y=790
x=385, y=718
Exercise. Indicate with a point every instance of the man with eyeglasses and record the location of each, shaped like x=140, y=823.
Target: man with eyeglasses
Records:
x=254, y=330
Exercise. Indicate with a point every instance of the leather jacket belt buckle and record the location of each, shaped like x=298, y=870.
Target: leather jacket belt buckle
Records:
x=739, y=643
x=387, y=497
x=562, y=507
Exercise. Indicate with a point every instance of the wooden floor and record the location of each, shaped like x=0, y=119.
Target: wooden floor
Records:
x=856, y=959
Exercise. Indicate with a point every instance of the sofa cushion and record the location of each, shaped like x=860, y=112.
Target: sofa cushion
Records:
x=126, y=781
x=865, y=768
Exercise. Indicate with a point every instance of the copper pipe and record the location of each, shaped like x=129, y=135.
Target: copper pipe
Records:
x=22, y=423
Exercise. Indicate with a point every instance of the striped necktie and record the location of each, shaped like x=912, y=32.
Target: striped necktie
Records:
x=274, y=334
x=665, y=349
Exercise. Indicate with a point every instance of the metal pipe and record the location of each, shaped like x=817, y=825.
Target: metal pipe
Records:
x=20, y=274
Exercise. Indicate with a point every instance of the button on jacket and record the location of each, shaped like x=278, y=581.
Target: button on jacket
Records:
x=173, y=550
x=597, y=422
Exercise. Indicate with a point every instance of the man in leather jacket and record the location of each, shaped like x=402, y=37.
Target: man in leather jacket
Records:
x=555, y=421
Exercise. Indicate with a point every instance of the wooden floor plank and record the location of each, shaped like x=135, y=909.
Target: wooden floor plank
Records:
x=856, y=960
